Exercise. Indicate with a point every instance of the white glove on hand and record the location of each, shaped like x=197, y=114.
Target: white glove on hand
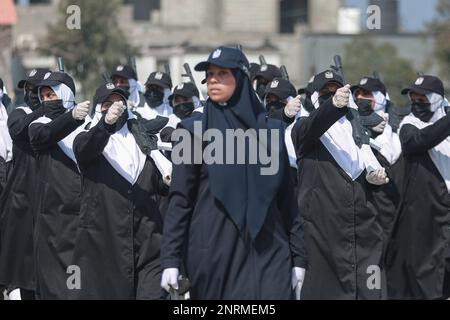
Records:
x=293, y=107
x=298, y=275
x=114, y=112
x=377, y=177
x=15, y=295
x=380, y=127
x=342, y=96
x=81, y=110
x=169, y=279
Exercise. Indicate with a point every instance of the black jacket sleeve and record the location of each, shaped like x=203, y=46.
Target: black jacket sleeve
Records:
x=87, y=146
x=19, y=121
x=287, y=204
x=44, y=136
x=182, y=198
x=415, y=140
x=308, y=130
x=281, y=115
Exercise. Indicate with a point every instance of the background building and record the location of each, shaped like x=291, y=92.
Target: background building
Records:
x=303, y=35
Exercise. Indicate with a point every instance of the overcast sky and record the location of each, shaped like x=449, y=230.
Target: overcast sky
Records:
x=413, y=13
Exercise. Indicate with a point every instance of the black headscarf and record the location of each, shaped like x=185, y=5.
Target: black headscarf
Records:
x=241, y=189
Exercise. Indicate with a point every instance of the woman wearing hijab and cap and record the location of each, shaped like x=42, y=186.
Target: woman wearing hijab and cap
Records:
x=419, y=265
x=5, y=141
x=281, y=100
x=59, y=185
x=241, y=228
x=342, y=234
x=18, y=206
x=370, y=97
x=264, y=76
x=283, y=103
x=117, y=246
x=157, y=91
x=184, y=100
x=125, y=77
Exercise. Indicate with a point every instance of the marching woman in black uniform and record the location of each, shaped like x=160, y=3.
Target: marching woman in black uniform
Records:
x=236, y=231
x=419, y=263
x=18, y=206
x=343, y=237
x=59, y=184
x=117, y=246
x=370, y=97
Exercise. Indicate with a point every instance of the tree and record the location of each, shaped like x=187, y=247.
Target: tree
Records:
x=96, y=46
x=440, y=30
x=363, y=57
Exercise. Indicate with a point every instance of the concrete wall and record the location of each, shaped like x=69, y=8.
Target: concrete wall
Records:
x=323, y=15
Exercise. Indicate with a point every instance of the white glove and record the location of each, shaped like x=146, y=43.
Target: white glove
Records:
x=380, y=127
x=298, y=275
x=293, y=107
x=114, y=112
x=169, y=279
x=164, y=166
x=377, y=177
x=15, y=295
x=81, y=110
x=341, y=97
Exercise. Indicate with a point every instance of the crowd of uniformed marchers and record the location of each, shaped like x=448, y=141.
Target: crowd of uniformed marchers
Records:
x=93, y=204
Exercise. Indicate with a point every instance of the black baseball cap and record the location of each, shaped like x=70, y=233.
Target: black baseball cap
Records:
x=51, y=79
x=124, y=71
x=281, y=88
x=186, y=90
x=268, y=72
x=324, y=78
x=107, y=89
x=160, y=79
x=370, y=84
x=34, y=77
x=225, y=57
x=425, y=85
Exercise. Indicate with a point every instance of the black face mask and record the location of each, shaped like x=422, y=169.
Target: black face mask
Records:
x=274, y=106
x=260, y=90
x=125, y=88
x=422, y=111
x=325, y=97
x=184, y=110
x=32, y=100
x=364, y=107
x=53, y=109
x=154, y=98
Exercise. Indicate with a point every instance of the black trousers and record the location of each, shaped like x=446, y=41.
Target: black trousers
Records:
x=446, y=290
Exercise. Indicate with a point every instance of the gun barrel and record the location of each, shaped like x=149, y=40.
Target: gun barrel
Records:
x=338, y=63
x=284, y=72
x=61, y=64
x=167, y=68
x=262, y=60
